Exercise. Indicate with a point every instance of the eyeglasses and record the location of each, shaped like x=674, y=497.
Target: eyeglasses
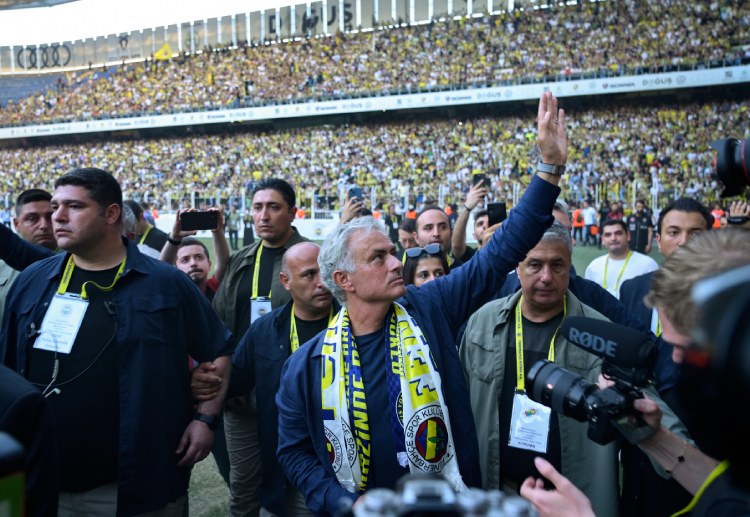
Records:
x=430, y=249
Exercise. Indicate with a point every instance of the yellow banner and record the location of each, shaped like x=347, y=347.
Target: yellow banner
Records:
x=164, y=53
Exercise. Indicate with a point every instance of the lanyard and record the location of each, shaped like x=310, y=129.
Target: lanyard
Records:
x=622, y=270
x=715, y=473
x=355, y=391
x=68, y=274
x=657, y=331
x=256, y=274
x=293, y=337
x=143, y=237
x=520, y=371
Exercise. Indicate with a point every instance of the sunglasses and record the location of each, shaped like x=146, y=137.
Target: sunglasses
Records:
x=430, y=249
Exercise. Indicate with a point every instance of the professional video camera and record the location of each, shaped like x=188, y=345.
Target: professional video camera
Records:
x=715, y=378
x=628, y=360
x=425, y=495
x=732, y=165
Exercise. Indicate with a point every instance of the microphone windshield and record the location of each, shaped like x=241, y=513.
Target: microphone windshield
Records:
x=619, y=345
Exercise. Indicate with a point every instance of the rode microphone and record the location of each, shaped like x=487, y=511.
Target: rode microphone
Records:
x=629, y=355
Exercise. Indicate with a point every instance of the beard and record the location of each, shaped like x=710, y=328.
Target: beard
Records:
x=197, y=276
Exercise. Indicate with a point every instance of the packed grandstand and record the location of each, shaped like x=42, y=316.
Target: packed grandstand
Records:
x=619, y=150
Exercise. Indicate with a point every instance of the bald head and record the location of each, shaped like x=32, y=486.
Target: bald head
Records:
x=300, y=275
x=300, y=251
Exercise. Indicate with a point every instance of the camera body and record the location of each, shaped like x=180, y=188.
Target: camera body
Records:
x=628, y=359
x=732, y=162
x=425, y=495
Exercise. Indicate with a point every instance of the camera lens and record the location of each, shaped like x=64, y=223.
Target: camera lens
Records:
x=732, y=162
x=563, y=391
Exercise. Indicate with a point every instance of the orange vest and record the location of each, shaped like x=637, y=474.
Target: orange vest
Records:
x=578, y=218
x=718, y=214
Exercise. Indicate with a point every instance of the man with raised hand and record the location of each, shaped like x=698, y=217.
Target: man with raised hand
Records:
x=191, y=256
x=476, y=196
x=399, y=359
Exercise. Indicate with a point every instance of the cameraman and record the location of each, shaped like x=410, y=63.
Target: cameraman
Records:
x=704, y=256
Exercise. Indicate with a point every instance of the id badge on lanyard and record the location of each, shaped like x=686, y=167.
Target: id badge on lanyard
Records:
x=529, y=424
x=529, y=420
x=61, y=323
x=258, y=307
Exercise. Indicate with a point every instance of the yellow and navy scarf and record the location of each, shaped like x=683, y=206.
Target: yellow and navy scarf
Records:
x=419, y=417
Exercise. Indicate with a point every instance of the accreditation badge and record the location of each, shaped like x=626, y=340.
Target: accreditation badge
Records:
x=258, y=307
x=529, y=424
x=61, y=323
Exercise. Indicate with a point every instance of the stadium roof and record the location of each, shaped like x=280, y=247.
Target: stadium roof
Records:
x=27, y=22
x=27, y=4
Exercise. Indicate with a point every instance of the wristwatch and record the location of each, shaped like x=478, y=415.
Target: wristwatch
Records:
x=738, y=219
x=212, y=421
x=174, y=242
x=554, y=170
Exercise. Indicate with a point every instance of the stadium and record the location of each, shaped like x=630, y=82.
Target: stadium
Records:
x=190, y=105
x=406, y=99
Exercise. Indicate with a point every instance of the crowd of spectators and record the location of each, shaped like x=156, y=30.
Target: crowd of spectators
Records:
x=623, y=151
x=604, y=37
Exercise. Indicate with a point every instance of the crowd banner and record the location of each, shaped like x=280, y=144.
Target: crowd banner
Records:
x=402, y=102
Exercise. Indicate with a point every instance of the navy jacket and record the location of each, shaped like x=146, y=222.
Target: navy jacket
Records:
x=161, y=319
x=589, y=293
x=440, y=308
x=632, y=292
x=257, y=363
x=18, y=253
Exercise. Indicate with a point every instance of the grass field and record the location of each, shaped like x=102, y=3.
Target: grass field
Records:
x=209, y=496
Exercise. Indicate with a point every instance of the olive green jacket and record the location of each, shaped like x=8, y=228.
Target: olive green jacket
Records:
x=243, y=263
x=7, y=277
x=591, y=467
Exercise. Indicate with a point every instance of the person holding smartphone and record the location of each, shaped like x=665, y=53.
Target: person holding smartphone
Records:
x=474, y=198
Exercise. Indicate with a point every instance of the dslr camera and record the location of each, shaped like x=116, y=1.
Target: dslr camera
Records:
x=628, y=360
x=431, y=495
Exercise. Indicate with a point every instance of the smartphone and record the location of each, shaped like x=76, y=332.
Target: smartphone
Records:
x=476, y=178
x=355, y=192
x=496, y=213
x=190, y=221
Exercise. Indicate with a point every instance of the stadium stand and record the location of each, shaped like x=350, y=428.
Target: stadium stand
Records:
x=599, y=39
x=662, y=147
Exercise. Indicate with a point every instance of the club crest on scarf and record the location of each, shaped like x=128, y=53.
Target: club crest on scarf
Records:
x=425, y=442
x=430, y=435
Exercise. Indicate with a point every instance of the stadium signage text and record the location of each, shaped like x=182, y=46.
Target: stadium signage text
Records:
x=421, y=100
